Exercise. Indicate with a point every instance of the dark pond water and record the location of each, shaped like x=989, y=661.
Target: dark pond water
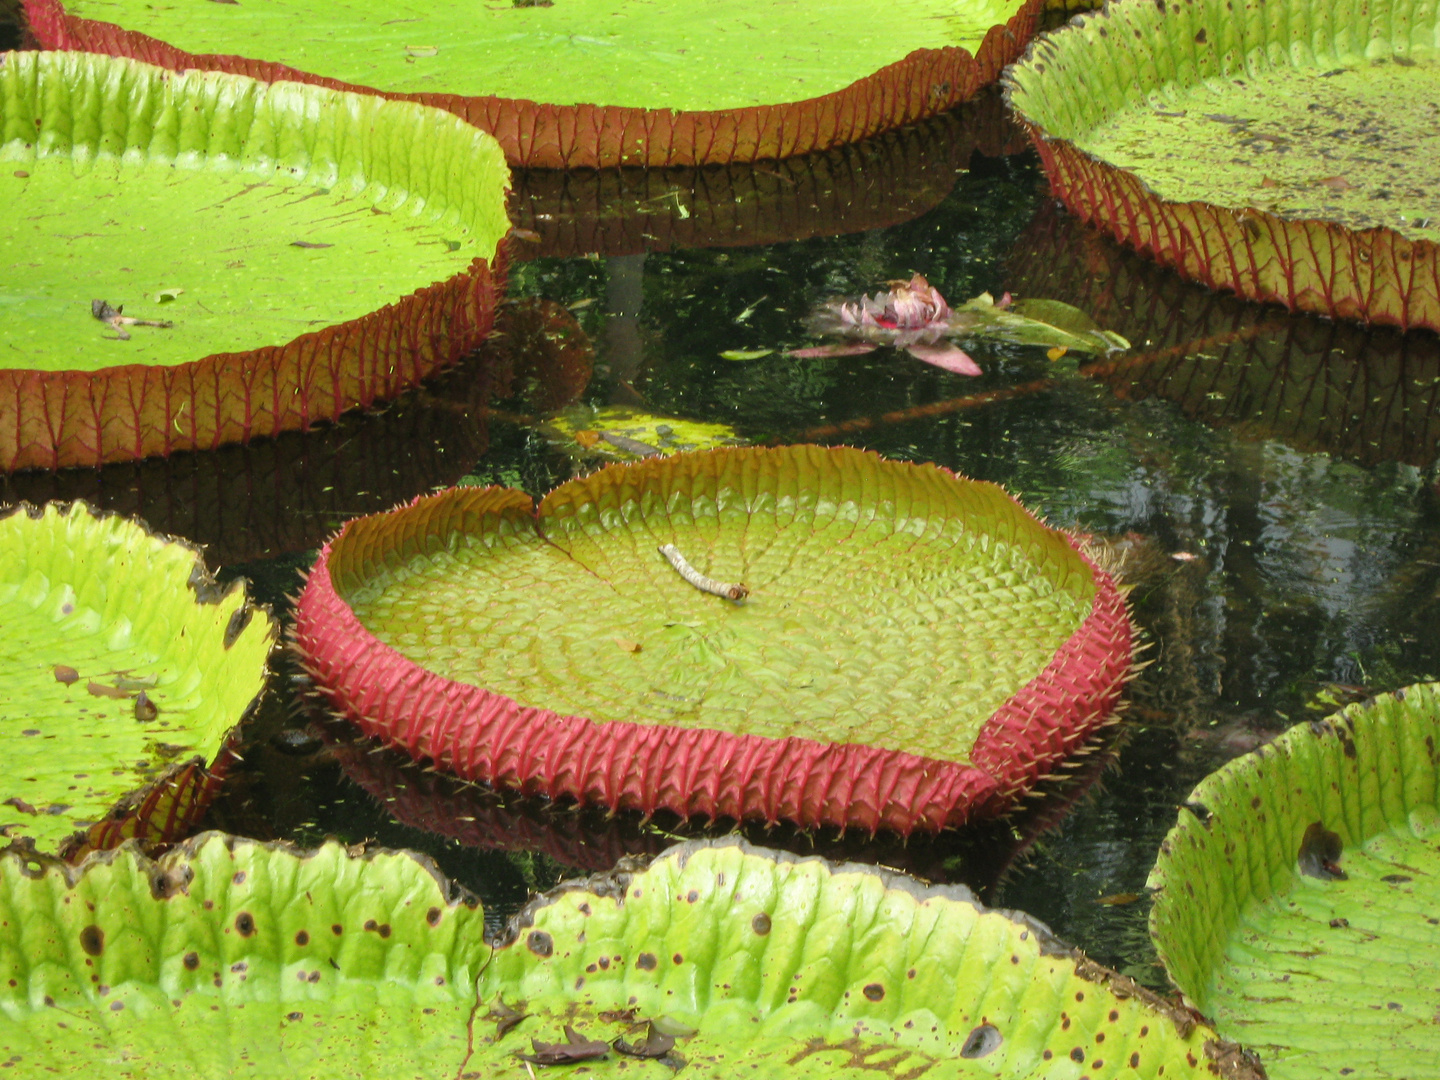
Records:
x=1287, y=461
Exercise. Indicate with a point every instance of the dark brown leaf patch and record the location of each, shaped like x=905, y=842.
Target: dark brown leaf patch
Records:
x=656, y=1044
x=575, y=1048
x=504, y=1016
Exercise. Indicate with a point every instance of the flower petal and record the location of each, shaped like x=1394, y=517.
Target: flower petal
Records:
x=947, y=356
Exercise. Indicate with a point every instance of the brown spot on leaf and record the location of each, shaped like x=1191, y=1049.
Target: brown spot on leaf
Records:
x=302, y=938
x=645, y=961
x=760, y=924
x=540, y=943
x=245, y=923
x=874, y=991
x=433, y=916
x=66, y=674
x=191, y=961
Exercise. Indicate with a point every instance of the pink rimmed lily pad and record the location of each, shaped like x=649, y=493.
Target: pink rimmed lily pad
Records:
x=914, y=649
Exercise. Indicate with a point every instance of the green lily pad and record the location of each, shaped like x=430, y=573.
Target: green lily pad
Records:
x=120, y=662
x=1279, y=148
x=913, y=648
x=230, y=955
x=1296, y=896
x=590, y=82
x=283, y=261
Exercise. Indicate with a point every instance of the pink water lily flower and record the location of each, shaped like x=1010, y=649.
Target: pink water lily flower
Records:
x=912, y=316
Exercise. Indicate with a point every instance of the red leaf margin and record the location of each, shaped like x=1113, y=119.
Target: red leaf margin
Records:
x=1316, y=265
x=1371, y=275
x=54, y=419
x=537, y=135
x=485, y=736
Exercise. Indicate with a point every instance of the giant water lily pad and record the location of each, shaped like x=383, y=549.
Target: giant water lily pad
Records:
x=571, y=83
x=303, y=250
x=121, y=663
x=1285, y=149
x=915, y=648
x=1296, y=901
x=230, y=955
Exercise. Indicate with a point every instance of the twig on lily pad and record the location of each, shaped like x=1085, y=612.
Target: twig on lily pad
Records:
x=728, y=590
x=115, y=318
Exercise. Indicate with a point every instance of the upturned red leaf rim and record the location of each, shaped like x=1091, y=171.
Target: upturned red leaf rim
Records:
x=485, y=736
x=1311, y=264
x=538, y=135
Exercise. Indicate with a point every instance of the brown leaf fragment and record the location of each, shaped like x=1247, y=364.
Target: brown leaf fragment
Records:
x=528, y=235
x=117, y=320
x=1118, y=899
x=1336, y=183
x=1269, y=182
x=577, y=1048
x=66, y=674
x=630, y=647
x=618, y=1016
x=20, y=804
x=656, y=1044
x=505, y=1017
x=308, y=244
x=587, y=438
x=99, y=689
x=145, y=709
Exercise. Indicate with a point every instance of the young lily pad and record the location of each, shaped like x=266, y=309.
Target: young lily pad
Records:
x=911, y=648
x=1295, y=900
x=311, y=265
x=582, y=83
x=1280, y=148
x=120, y=664
x=227, y=955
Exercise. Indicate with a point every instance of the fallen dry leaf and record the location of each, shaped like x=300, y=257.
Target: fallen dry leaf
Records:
x=577, y=1048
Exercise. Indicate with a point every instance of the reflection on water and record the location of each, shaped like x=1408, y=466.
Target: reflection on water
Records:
x=1264, y=481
